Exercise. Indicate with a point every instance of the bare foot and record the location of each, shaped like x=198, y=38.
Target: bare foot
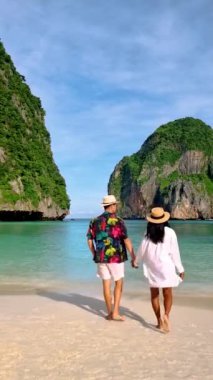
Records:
x=160, y=324
x=119, y=318
x=166, y=323
x=108, y=317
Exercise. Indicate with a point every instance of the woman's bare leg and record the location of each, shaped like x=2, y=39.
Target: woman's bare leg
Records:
x=167, y=300
x=156, y=305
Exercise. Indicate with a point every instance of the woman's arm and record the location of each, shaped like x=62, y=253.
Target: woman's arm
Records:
x=175, y=254
x=140, y=253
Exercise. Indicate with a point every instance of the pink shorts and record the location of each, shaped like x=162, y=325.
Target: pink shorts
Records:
x=106, y=271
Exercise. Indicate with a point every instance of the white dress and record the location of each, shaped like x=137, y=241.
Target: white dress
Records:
x=161, y=261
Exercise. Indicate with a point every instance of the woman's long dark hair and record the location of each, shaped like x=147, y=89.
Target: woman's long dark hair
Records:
x=155, y=231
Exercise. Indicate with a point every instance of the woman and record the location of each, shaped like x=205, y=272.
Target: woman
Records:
x=161, y=263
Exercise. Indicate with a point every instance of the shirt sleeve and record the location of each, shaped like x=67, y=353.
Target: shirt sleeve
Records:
x=124, y=233
x=90, y=232
x=175, y=253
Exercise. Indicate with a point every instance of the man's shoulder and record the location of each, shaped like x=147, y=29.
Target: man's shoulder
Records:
x=120, y=219
x=97, y=218
x=117, y=218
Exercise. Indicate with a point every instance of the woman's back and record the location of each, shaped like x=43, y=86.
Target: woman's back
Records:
x=160, y=260
x=162, y=265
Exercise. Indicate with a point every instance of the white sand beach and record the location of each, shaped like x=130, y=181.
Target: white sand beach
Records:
x=55, y=335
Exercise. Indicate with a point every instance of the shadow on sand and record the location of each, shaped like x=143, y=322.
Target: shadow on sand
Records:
x=93, y=305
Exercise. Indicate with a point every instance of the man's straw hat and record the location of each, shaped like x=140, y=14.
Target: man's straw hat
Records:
x=158, y=215
x=109, y=200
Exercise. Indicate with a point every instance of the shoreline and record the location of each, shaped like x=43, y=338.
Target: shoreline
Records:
x=181, y=297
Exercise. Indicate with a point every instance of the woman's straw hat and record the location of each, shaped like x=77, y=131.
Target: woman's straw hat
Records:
x=109, y=200
x=158, y=215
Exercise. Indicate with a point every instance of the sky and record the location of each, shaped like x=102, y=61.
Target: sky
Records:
x=109, y=73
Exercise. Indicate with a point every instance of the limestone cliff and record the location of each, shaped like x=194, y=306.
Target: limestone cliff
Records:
x=31, y=186
x=173, y=168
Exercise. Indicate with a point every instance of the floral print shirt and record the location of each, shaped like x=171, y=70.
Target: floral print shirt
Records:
x=108, y=232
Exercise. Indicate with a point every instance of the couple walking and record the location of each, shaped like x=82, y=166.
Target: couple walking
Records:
x=108, y=241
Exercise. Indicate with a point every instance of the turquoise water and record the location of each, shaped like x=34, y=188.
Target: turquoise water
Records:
x=56, y=253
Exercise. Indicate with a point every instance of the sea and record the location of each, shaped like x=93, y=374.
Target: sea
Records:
x=35, y=255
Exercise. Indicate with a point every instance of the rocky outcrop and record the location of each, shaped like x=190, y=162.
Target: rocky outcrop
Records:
x=31, y=186
x=46, y=210
x=17, y=186
x=192, y=162
x=2, y=155
x=173, y=169
x=187, y=201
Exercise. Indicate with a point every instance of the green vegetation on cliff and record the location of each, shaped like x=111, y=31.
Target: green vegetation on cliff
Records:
x=27, y=169
x=180, y=151
x=171, y=140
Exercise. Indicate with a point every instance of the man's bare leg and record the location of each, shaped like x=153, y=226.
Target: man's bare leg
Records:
x=117, y=298
x=156, y=305
x=108, y=297
x=167, y=300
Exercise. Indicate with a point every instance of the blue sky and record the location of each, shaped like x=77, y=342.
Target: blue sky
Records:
x=108, y=74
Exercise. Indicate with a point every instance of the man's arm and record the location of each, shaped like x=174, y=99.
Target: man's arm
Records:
x=130, y=249
x=91, y=246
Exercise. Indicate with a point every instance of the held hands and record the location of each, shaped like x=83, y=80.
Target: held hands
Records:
x=134, y=263
x=133, y=259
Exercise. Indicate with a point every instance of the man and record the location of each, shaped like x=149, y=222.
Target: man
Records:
x=108, y=242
